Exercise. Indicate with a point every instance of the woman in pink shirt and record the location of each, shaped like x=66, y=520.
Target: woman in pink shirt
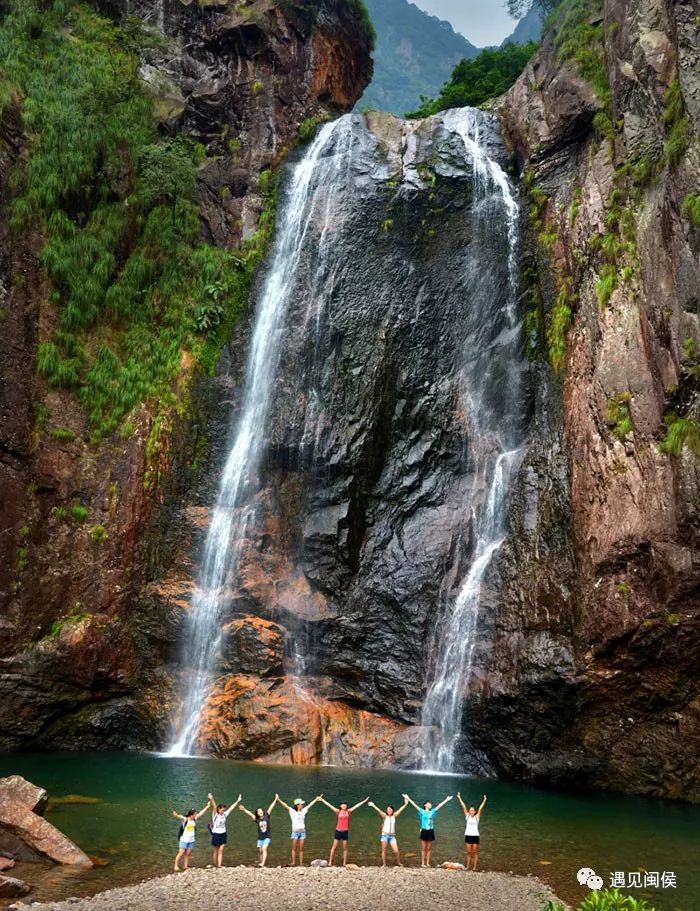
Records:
x=342, y=827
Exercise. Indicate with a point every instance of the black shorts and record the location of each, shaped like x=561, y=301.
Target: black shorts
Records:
x=341, y=836
x=427, y=835
x=471, y=839
x=218, y=839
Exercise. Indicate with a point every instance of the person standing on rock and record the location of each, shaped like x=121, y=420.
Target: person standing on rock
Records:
x=342, y=827
x=427, y=826
x=388, y=836
x=471, y=833
x=297, y=814
x=261, y=818
x=217, y=827
x=187, y=835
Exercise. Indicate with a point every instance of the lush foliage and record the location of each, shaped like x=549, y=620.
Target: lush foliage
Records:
x=129, y=273
x=691, y=209
x=606, y=900
x=681, y=432
x=580, y=41
x=520, y=8
x=473, y=82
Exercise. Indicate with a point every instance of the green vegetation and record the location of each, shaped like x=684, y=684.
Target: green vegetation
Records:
x=77, y=613
x=474, y=82
x=682, y=431
x=559, y=321
x=678, y=138
x=691, y=209
x=78, y=512
x=129, y=273
x=366, y=21
x=520, y=8
x=582, y=43
x=618, y=416
x=98, y=534
x=308, y=127
x=62, y=434
x=605, y=900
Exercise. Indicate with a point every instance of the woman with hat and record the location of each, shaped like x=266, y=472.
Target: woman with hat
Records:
x=297, y=813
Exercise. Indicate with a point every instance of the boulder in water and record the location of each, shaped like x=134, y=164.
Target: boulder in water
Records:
x=13, y=888
x=6, y=863
x=24, y=832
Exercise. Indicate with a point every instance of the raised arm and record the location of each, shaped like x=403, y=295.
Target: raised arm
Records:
x=247, y=812
x=279, y=800
x=401, y=809
x=179, y=816
x=212, y=803
x=441, y=805
x=358, y=805
x=329, y=805
x=381, y=812
x=411, y=801
x=462, y=803
x=315, y=800
x=204, y=810
x=272, y=805
x=481, y=806
x=233, y=805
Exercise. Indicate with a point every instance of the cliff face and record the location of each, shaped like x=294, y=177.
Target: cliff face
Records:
x=83, y=524
x=616, y=571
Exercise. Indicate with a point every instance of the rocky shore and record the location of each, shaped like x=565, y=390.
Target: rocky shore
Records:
x=312, y=889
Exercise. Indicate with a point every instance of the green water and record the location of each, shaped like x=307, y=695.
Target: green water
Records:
x=132, y=828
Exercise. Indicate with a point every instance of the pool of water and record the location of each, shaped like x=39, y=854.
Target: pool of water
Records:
x=524, y=829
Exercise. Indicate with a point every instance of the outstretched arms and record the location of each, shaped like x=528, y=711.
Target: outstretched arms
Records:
x=358, y=805
x=441, y=805
x=315, y=800
x=247, y=812
x=375, y=807
x=401, y=809
x=462, y=803
x=279, y=800
x=179, y=816
x=481, y=806
x=203, y=810
x=272, y=805
x=233, y=805
x=411, y=801
x=329, y=805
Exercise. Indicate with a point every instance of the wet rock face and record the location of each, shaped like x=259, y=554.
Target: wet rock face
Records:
x=84, y=637
x=361, y=535
x=625, y=714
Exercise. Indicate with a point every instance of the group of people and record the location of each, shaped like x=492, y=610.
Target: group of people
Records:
x=297, y=814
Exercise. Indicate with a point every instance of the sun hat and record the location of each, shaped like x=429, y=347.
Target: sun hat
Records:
x=297, y=801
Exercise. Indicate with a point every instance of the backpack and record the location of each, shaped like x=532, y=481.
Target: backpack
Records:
x=180, y=831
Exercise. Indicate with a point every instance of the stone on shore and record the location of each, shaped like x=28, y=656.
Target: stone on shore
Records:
x=12, y=888
x=25, y=833
x=6, y=863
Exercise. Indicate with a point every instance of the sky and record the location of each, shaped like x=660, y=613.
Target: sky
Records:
x=483, y=22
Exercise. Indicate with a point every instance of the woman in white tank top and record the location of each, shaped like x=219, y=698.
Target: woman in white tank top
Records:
x=388, y=836
x=471, y=832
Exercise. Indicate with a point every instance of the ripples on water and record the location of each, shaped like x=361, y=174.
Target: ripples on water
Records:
x=133, y=829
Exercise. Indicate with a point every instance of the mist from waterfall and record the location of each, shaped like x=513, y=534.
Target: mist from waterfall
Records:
x=303, y=204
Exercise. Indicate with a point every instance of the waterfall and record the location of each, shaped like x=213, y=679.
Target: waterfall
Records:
x=494, y=447
x=303, y=204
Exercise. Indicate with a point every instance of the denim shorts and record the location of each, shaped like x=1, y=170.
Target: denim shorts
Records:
x=264, y=842
x=186, y=845
x=387, y=838
x=299, y=835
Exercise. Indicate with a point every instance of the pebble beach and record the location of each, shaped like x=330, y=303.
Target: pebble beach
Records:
x=318, y=889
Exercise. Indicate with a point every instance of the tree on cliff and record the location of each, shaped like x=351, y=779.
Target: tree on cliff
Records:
x=520, y=8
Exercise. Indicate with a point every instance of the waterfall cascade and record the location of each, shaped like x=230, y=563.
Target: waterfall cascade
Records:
x=305, y=195
x=494, y=447
x=384, y=375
